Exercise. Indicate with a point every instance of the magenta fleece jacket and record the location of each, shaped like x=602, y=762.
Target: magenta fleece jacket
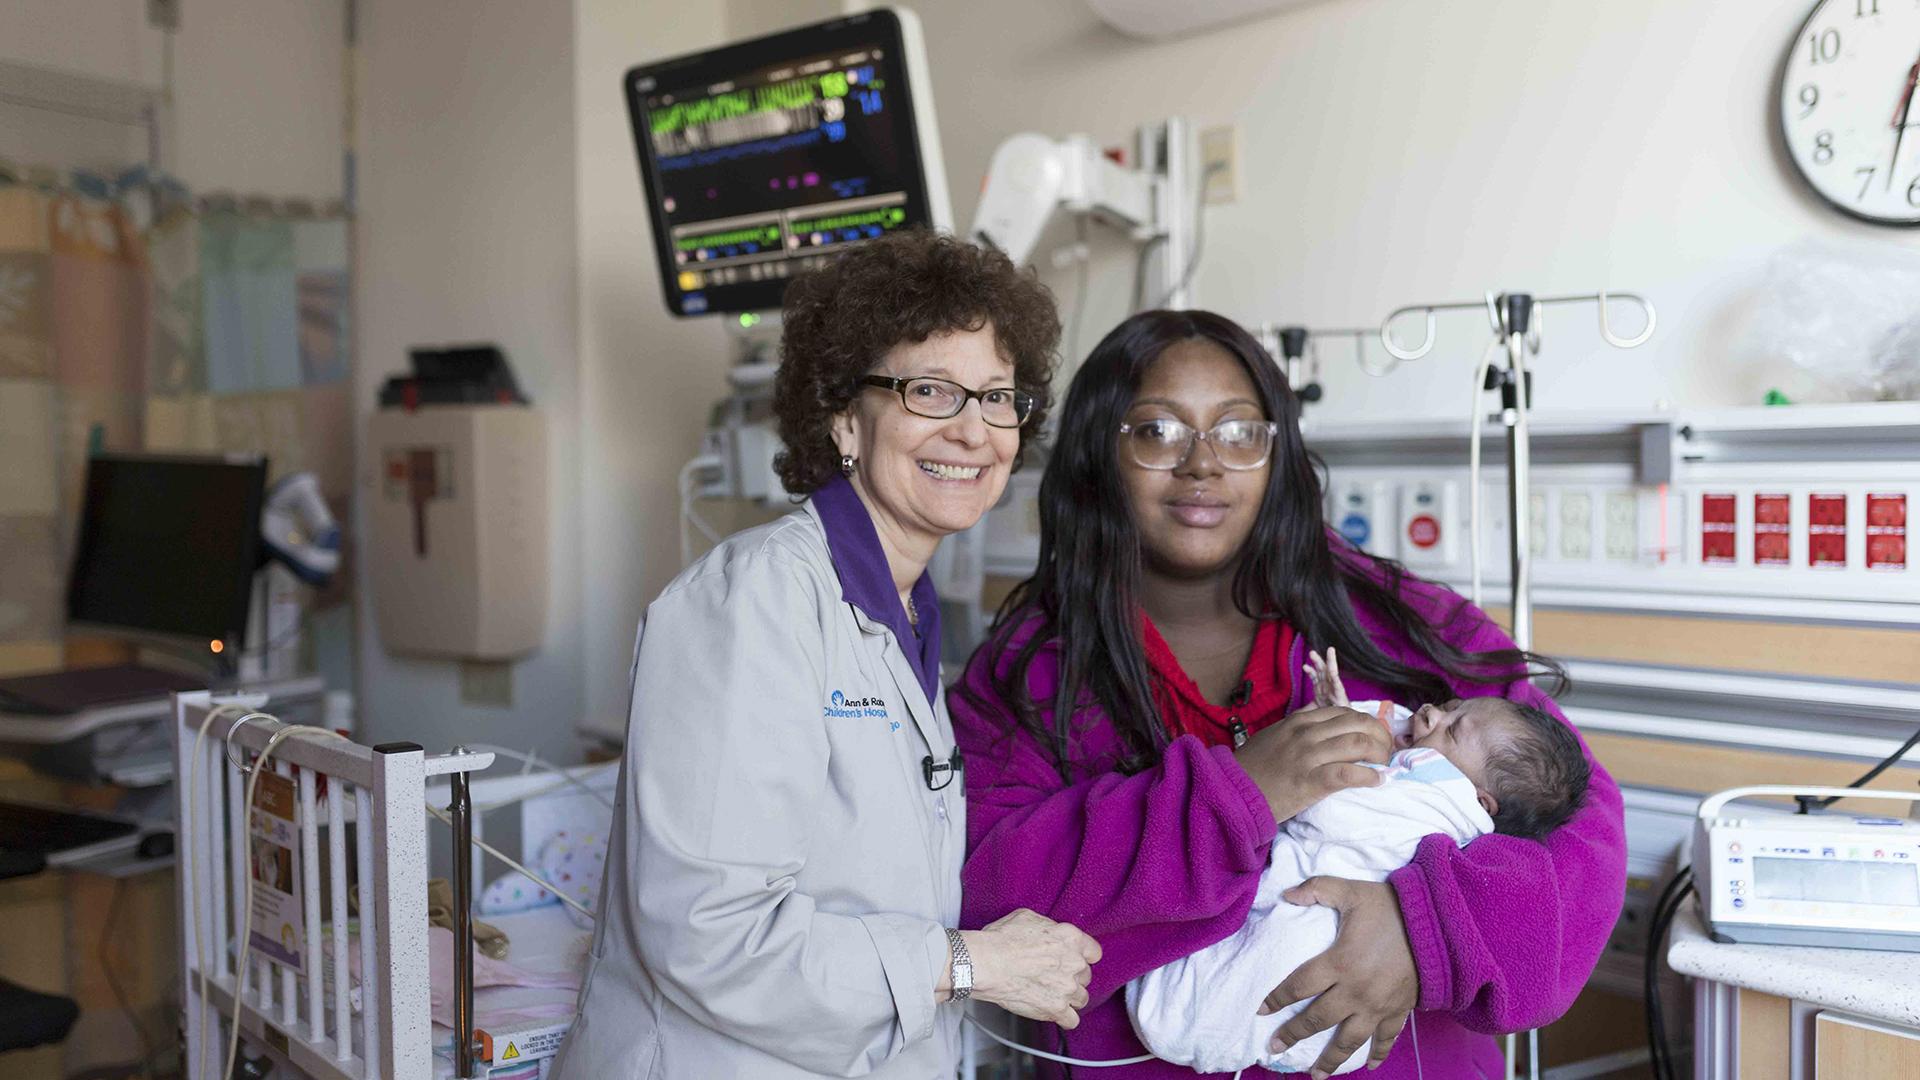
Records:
x=1505, y=932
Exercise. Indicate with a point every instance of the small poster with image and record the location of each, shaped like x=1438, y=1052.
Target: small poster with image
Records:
x=275, y=873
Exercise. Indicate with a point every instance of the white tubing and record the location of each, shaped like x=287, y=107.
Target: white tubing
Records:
x=535, y=761
x=1473, y=466
x=246, y=919
x=687, y=514
x=193, y=880
x=523, y=871
x=1011, y=1045
x=1413, y=1031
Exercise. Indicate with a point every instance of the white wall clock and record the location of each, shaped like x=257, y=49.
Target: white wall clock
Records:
x=1847, y=107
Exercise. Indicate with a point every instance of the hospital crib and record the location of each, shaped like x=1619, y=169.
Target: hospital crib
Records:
x=310, y=1023
x=393, y=805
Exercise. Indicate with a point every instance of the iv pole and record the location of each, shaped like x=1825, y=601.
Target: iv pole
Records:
x=1515, y=318
x=1297, y=349
x=1516, y=326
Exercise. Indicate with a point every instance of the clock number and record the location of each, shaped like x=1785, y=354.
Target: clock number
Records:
x=1824, y=47
x=1810, y=97
x=1913, y=192
x=1863, y=8
x=1823, y=148
x=1865, y=172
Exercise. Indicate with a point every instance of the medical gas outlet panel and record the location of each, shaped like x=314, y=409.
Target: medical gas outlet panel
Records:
x=1809, y=502
x=1792, y=531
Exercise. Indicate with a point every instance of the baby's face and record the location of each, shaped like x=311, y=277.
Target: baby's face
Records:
x=1465, y=730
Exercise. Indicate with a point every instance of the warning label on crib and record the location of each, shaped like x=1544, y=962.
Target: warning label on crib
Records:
x=523, y=1044
x=273, y=830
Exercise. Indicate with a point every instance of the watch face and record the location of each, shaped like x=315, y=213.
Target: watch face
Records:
x=1847, y=110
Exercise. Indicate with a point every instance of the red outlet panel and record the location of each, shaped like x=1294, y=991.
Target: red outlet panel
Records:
x=1424, y=531
x=1886, y=531
x=1772, y=529
x=1825, y=510
x=1827, y=531
x=1886, y=511
x=1718, y=514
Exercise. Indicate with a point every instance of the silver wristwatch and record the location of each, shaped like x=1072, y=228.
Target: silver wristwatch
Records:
x=962, y=966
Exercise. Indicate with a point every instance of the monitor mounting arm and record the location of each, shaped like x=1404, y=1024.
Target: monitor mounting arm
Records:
x=1033, y=176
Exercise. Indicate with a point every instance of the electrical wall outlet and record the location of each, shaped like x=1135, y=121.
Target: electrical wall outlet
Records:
x=1576, y=525
x=1623, y=525
x=1220, y=164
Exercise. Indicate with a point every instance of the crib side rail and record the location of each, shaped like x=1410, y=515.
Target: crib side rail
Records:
x=296, y=999
x=399, y=791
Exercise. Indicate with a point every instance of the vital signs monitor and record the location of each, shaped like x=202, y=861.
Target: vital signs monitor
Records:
x=763, y=157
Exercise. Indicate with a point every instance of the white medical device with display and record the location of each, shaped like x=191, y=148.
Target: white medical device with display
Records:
x=1835, y=879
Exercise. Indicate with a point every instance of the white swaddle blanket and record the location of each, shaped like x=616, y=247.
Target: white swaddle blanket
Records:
x=1199, y=1011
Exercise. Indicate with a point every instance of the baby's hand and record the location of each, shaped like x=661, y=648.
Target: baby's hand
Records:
x=1325, y=673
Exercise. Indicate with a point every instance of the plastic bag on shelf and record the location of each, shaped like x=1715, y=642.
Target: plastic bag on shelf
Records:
x=1847, y=314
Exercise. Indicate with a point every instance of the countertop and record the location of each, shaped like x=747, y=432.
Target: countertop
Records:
x=1878, y=985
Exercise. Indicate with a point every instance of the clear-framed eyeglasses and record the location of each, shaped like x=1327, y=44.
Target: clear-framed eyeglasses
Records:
x=940, y=399
x=1164, y=444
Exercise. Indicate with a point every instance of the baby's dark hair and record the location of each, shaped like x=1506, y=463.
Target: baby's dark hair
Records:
x=1539, y=776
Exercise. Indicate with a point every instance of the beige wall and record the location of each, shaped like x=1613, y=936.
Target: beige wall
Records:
x=647, y=378
x=501, y=200
x=258, y=88
x=1396, y=151
x=467, y=233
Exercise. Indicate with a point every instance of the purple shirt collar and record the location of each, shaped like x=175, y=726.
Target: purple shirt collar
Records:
x=866, y=581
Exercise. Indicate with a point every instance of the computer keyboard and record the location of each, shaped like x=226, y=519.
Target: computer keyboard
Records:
x=59, y=693
x=46, y=830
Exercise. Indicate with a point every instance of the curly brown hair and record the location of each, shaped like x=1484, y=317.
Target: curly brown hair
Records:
x=840, y=320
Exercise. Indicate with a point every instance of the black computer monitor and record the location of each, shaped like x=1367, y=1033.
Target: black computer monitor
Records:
x=168, y=547
x=762, y=158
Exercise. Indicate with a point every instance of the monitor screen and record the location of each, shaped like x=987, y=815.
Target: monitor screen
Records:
x=168, y=545
x=762, y=158
x=1837, y=881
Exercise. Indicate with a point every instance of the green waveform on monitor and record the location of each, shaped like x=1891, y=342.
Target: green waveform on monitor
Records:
x=888, y=217
x=686, y=114
x=791, y=94
x=768, y=235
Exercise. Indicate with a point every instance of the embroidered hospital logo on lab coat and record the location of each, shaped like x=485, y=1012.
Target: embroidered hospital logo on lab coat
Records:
x=843, y=707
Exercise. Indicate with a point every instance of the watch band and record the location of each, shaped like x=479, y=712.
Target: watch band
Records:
x=962, y=966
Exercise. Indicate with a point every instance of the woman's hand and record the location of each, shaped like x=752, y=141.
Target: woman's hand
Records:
x=1363, y=986
x=1032, y=966
x=1312, y=754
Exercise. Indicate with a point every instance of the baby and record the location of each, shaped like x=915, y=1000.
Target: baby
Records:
x=1465, y=768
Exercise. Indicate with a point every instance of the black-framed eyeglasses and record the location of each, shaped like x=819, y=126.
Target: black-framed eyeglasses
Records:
x=1164, y=444
x=940, y=399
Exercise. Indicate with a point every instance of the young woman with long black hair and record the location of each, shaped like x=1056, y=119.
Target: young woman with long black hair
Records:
x=1185, y=570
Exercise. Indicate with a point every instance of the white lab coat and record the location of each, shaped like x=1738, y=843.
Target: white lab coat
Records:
x=779, y=876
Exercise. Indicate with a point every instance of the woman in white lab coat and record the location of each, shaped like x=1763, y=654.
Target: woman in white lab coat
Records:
x=784, y=870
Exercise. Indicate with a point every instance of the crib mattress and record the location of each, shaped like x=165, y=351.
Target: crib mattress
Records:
x=542, y=941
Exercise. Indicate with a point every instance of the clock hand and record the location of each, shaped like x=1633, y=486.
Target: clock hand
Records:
x=1900, y=120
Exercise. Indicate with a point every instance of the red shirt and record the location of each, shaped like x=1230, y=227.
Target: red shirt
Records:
x=1265, y=691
